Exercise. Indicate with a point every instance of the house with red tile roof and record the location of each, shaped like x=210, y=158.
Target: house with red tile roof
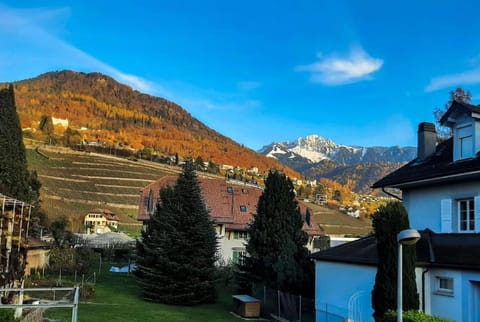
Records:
x=232, y=205
x=100, y=221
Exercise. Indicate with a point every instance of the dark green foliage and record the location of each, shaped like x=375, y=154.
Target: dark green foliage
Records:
x=46, y=125
x=59, y=229
x=7, y=315
x=388, y=221
x=177, y=254
x=15, y=180
x=276, y=245
x=412, y=316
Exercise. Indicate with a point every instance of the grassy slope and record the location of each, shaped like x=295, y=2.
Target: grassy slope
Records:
x=74, y=183
x=337, y=223
x=118, y=298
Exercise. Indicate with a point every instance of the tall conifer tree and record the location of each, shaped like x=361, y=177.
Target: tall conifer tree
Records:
x=388, y=221
x=177, y=253
x=277, y=256
x=13, y=162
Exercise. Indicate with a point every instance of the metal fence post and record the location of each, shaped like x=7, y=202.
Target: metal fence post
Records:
x=300, y=309
x=278, y=302
x=75, y=305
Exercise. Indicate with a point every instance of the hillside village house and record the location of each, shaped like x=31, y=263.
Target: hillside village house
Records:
x=441, y=192
x=100, y=221
x=232, y=205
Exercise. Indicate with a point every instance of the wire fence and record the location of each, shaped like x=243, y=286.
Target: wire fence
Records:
x=283, y=306
x=331, y=313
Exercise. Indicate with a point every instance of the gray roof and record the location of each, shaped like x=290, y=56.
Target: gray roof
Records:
x=433, y=250
x=439, y=167
x=107, y=240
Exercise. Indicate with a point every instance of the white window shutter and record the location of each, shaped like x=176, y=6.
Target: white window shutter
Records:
x=446, y=216
x=477, y=213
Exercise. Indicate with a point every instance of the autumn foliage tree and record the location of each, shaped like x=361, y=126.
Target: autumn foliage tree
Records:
x=458, y=95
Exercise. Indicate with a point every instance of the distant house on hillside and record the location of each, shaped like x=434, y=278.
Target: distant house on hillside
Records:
x=60, y=122
x=231, y=205
x=100, y=221
x=441, y=193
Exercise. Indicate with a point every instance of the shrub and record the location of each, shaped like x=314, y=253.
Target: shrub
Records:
x=412, y=316
x=87, y=291
x=7, y=315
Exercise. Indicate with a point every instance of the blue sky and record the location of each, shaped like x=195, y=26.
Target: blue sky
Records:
x=358, y=72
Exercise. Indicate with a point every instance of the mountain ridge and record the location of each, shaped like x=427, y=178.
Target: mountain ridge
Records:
x=100, y=109
x=357, y=167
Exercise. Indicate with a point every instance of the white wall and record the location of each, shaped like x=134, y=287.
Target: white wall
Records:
x=226, y=243
x=457, y=306
x=423, y=204
x=336, y=283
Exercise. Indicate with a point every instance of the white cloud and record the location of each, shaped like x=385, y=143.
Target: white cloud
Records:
x=454, y=80
x=334, y=70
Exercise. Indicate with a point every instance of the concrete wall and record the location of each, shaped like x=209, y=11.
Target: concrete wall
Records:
x=462, y=303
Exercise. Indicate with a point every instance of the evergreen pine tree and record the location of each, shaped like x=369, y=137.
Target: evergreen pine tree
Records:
x=177, y=254
x=388, y=221
x=15, y=180
x=277, y=256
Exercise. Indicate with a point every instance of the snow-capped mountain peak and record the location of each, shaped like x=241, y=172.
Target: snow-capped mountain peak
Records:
x=314, y=148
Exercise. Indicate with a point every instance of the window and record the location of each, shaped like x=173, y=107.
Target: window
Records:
x=243, y=208
x=466, y=215
x=464, y=141
x=150, y=202
x=444, y=285
x=230, y=189
x=240, y=235
x=238, y=256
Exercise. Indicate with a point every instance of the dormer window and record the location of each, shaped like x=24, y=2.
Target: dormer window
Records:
x=465, y=141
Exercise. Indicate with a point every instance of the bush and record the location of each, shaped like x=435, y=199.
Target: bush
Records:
x=412, y=316
x=87, y=291
x=7, y=315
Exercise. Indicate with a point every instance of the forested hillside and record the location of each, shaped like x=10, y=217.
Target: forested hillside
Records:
x=102, y=110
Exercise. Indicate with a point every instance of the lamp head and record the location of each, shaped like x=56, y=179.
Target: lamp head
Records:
x=408, y=237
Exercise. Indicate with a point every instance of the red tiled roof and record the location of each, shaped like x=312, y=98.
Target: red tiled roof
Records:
x=313, y=229
x=229, y=202
x=234, y=207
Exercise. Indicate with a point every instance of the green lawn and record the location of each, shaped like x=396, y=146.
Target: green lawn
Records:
x=118, y=298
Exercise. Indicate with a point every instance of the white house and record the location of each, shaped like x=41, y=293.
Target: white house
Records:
x=232, y=205
x=441, y=192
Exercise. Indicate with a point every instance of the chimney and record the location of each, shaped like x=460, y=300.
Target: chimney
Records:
x=427, y=140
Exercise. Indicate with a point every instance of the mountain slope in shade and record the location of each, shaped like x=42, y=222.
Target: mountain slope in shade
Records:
x=110, y=112
x=355, y=167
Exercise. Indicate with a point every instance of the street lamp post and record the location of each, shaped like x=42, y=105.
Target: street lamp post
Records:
x=405, y=237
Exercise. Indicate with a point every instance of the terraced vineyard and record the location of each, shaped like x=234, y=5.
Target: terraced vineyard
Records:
x=74, y=183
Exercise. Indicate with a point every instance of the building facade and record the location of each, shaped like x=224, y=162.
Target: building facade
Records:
x=232, y=205
x=441, y=193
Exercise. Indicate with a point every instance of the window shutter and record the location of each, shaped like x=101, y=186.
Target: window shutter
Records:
x=477, y=213
x=446, y=216
x=235, y=257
